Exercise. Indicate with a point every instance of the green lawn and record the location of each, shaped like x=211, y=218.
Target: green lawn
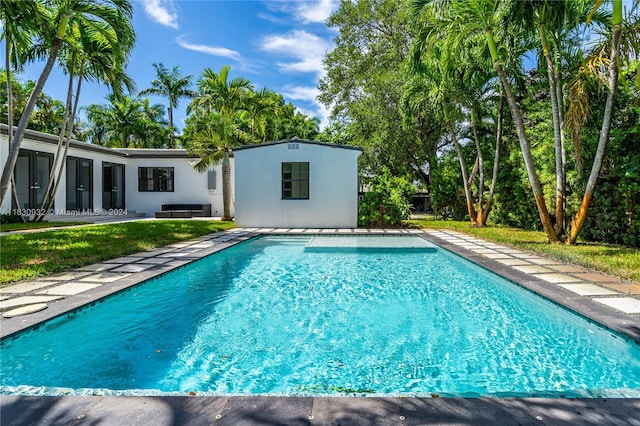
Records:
x=33, y=254
x=616, y=260
x=21, y=226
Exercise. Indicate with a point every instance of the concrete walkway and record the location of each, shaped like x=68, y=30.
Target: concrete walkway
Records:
x=602, y=298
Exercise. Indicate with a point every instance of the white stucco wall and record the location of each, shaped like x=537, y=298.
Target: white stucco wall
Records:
x=190, y=186
x=333, y=186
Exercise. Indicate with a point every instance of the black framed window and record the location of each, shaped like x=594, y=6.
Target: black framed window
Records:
x=295, y=181
x=155, y=179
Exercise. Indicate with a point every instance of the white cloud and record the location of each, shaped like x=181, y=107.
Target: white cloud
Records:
x=209, y=50
x=301, y=93
x=306, y=49
x=162, y=11
x=305, y=12
x=314, y=12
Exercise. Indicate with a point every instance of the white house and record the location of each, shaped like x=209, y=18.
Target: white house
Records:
x=296, y=184
x=109, y=181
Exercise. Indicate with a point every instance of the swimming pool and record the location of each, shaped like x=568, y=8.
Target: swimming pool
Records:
x=324, y=316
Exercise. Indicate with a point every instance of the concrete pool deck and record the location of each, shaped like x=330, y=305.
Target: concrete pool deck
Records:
x=603, y=298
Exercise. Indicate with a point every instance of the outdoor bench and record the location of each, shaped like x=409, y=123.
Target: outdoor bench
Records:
x=184, y=211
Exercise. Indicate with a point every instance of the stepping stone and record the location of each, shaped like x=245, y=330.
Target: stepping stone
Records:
x=513, y=262
x=68, y=276
x=26, y=287
x=570, y=269
x=597, y=278
x=486, y=251
x=557, y=278
x=26, y=300
x=588, y=289
x=154, y=261
x=97, y=267
x=125, y=259
x=138, y=267
x=532, y=269
x=105, y=277
x=25, y=310
x=69, y=289
x=543, y=261
x=627, y=305
x=497, y=256
x=625, y=288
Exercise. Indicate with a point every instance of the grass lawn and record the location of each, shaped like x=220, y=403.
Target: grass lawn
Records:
x=30, y=255
x=21, y=226
x=616, y=260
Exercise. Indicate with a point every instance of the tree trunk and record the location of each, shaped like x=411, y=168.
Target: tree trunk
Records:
x=474, y=128
x=525, y=146
x=14, y=148
x=555, y=113
x=496, y=161
x=581, y=215
x=63, y=160
x=57, y=164
x=561, y=216
x=463, y=167
x=226, y=187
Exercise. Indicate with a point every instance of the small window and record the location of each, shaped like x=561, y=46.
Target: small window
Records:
x=295, y=181
x=155, y=179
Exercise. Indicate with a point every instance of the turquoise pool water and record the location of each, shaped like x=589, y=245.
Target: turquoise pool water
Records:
x=324, y=315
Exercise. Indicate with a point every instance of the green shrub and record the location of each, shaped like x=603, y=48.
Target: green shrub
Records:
x=387, y=202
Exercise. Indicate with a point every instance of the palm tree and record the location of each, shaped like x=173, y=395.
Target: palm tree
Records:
x=261, y=107
x=173, y=86
x=432, y=87
x=90, y=57
x=87, y=16
x=127, y=122
x=616, y=32
x=457, y=23
x=219, y=101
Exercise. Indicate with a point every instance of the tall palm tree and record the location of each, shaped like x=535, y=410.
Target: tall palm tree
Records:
x=65, y=14
x=220, y=101
x=87, y=56
x=433, y=87
x=172, y=85
x=457, y=23
x=616, y=32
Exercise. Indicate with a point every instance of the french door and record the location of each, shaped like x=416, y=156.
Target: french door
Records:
x=79, y=184
x=112, y=186
x=31, y=175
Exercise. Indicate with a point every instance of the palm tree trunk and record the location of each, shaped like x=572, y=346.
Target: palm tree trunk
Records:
x=44, y=206
x=463, y=166
x=14, y=148
x=496, y=161
x=474, y=129
x=555, y=113
x=561, y=214
x=226, y=187
x=7, y=68
x=525, y=146
x=581, y=215
x=63, y=160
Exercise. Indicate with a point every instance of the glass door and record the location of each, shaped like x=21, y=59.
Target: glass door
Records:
x=112, y=186
x=31, y=174
x=79, y=184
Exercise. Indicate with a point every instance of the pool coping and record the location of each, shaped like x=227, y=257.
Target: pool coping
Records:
x=259, y=410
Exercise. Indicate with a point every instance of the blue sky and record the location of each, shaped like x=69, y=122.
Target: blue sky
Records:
x=279, y=44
